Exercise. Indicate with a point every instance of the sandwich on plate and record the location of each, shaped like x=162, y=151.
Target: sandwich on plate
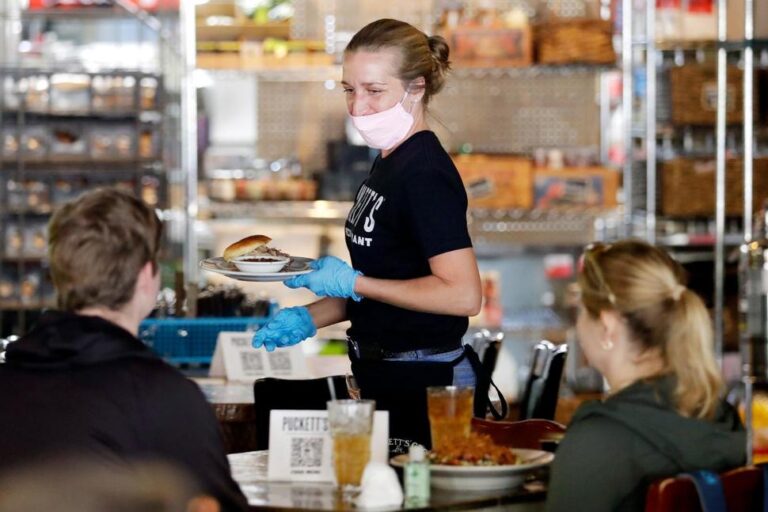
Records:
x=253, y=254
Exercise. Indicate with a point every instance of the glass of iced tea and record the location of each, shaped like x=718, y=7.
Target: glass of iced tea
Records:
x=350, y=422
x=450, y=414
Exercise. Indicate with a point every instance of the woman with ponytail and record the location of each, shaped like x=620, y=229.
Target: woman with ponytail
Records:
x=651, y=338
x=413, y=282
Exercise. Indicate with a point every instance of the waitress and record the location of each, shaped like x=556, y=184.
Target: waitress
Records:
x=414, y=279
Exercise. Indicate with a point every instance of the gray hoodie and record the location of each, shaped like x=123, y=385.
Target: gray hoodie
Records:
x=614, y=449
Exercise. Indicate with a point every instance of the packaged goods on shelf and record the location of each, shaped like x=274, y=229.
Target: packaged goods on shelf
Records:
x=28, y=196
x=10, y=93
x=148, y=92
x=112, y=142
x=576, y=186
x=37, y=90
x=25, y=241
x=148, y=143
x=35, y=141
x=668, y=21
x=575, y=41
x=113, y=93
x=8, y=286
x=65, y=190
x=67, y=140
x=688, y=186
x=69, y=94
x=686, y=20
x=86, y=141
x=694, y=95
x=266, y=189
x=506, y=180
x=14, y=241
x=480, y=46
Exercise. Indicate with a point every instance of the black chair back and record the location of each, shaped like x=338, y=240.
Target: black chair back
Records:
x=487, y=345
x=543, y=385
x=272, y=393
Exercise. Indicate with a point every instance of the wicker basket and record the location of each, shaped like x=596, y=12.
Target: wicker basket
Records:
x=694, y=95
x=688, y=187
x=570, y=41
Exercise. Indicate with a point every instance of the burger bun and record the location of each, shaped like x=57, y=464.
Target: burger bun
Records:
x=245, y=246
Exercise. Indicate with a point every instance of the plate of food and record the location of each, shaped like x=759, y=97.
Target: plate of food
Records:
x=481, y=466
x=251, y=259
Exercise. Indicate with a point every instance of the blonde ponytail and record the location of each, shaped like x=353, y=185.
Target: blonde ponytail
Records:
x=647, y=287
x=689, y=357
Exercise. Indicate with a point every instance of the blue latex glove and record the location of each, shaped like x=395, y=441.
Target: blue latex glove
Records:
x=332, y=278
x=289, y=327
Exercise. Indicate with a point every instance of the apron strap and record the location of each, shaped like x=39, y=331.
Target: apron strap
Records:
x=484, y=383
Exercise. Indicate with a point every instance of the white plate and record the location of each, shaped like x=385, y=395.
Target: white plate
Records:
x=295, y=267
x=484, y=478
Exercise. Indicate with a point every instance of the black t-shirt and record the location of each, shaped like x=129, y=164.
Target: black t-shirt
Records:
x=411, y=207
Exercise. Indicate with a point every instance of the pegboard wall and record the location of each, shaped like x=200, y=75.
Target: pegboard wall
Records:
x=516, y=111
x=298, y=119
x=334, y=19
x=493, y=110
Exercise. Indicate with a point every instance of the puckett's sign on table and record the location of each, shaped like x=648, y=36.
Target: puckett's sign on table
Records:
x=300, y=445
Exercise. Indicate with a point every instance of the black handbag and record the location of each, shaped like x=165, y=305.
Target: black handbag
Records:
x=400, y=387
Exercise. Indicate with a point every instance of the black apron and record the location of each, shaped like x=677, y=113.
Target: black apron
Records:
x=400, y=387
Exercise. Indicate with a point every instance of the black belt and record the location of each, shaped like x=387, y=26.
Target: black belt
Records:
x=371, y=351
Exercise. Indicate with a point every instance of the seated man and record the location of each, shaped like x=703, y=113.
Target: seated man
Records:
x=81, y=383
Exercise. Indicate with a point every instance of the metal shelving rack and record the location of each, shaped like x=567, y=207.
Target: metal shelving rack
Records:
x=122, y=23
x=720, y=238
x=641, y=219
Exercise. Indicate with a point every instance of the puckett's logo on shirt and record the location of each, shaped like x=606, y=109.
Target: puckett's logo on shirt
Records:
x=368, y=200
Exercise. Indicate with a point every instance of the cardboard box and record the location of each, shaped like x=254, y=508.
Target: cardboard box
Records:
x=735, y=20
x=481, y=46
x=496, y=181
x=576, y=186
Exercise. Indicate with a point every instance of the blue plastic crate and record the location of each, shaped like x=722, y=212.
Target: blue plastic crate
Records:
x=192, y=340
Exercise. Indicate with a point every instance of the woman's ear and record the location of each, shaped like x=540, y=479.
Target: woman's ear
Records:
x=416, y=89
x=612, y=324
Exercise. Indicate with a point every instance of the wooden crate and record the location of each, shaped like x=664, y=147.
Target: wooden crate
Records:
x=576, y=186
x=573, y=41
x=688, y=187
x=507, y=178
x=694, y=95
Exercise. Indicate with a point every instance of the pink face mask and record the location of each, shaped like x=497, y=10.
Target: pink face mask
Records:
x=383, y=130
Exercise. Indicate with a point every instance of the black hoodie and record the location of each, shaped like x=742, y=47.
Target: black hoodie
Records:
x=82, y=385
x=614, y=449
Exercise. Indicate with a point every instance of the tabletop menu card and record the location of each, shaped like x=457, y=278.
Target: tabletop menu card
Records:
x=300, y=445
x=235, y=358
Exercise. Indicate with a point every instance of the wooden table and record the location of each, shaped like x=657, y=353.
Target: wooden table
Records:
x=233, y=406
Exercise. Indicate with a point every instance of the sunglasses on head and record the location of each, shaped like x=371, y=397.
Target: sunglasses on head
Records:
x=589, y=263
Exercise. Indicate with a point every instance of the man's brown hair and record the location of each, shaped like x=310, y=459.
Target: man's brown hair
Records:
x=97, y=244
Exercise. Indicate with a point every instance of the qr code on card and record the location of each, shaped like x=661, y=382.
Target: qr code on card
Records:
x=252, y=362
x=280, y=361
x=306, y=452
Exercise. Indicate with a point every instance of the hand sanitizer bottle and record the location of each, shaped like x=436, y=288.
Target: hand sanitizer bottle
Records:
x=416, y=476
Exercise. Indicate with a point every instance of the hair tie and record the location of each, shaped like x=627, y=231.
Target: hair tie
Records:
x=677, y=292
